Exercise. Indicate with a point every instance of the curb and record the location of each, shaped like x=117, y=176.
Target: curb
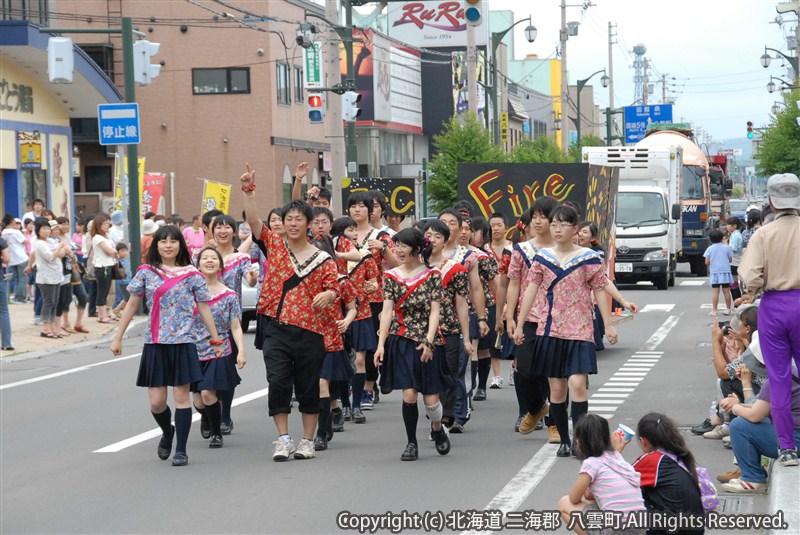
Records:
x=784, y=495
x=136, y=328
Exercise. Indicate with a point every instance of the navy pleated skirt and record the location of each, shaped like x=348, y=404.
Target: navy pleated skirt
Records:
x=404, y=369
x=169, y=365
x=599, y=330
x=488, y=341
x=363, y=335
x=560, y=358
x=336, y=366
x=508, y=348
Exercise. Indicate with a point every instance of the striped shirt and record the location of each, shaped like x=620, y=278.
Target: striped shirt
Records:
x=615, y=484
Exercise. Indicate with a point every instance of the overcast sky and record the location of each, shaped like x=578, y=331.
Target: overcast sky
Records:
x=710, y=47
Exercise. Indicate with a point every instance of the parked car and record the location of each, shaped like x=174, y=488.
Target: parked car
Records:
x=249, y=301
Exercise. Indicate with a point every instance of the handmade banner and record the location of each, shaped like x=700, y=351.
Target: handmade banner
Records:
x=399, y=192
x=153, y=186
x=118, y=180
x=511, y=189
x=216, y=196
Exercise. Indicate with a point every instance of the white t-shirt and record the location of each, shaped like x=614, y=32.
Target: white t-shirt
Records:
x=101, y=258
x=49, y=269
x=16, y=246
x=116, y=234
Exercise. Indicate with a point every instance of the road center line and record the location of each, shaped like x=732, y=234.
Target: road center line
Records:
x=66, y=372
x=661, y=333
x=153, y=433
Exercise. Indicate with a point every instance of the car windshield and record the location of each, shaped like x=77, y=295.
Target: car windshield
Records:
x=692, y=183
x=737, y=205
x=639, y=209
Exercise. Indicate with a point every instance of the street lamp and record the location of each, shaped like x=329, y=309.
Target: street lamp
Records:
x=581, y=84
x=771, y=86
x=497, y=38
x=766, y=59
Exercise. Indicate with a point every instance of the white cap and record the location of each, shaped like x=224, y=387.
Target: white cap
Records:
x=784, y=191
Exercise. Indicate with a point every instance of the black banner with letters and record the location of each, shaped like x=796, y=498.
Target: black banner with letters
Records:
x=400, y=193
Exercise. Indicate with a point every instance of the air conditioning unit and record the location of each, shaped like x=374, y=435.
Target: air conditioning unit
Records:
x=107, y=204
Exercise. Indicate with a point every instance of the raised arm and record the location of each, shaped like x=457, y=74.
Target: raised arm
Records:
x=248, y=182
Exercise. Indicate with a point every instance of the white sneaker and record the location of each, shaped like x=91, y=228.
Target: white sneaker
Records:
x=726, y=311
x=284, y=448
x=511, y=378
x=305, y=450
x=497, y=382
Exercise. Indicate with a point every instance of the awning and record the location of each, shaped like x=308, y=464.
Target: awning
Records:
x=516, y=109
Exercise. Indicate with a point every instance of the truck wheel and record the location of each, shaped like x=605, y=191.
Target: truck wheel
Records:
x=699, y=267
x=662, y=282
x=671, y=281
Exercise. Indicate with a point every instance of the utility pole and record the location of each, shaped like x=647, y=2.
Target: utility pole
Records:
x=472, y=71
x=644, y=82
x=663, y=89
x=564, y=84
x=334, y=112
x=611, y=36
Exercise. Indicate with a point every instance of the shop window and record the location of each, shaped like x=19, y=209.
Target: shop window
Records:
x=34, y=184
x=103, y=55
x=231, y=80
x=298, y=85
x=98, y=178
x=33, y=10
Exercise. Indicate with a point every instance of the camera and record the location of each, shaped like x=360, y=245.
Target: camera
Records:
x=725, y=326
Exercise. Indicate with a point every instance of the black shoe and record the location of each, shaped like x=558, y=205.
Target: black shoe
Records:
x=205, y=425
x=410, y=453
x=516, y=425
x=180, y=459
x=480, y=395
x=226, y=427
x=574, y=448
x=165, y=445
x=442, y=441
x=358, y=416
x=337, y=421
x=320, y=444
x=563, y=451
x=705, y=427
x=215, y=442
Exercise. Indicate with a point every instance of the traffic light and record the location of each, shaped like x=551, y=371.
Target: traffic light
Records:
x=473, y=12
x=749, y=129
x=143, y=70
x=316, y=112
x=350, y=109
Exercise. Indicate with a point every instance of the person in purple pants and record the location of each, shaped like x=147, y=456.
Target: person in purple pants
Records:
x=771, y=264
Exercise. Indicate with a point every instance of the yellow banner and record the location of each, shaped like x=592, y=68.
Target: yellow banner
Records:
x=118, y=181
x=504, y=126
x=216, y=196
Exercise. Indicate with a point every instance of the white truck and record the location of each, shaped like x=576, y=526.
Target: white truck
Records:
x=648, y=214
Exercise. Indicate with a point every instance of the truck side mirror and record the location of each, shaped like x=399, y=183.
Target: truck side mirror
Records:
x=676, y=211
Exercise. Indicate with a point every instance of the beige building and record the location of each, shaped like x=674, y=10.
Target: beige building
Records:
x=229, y=92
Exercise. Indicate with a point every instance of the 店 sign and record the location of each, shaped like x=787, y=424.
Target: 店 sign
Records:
x=312, y=59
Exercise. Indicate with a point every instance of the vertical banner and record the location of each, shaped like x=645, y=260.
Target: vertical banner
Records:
x=216, y=196
x=118, y=180
x=60, y=176
x=152, y=187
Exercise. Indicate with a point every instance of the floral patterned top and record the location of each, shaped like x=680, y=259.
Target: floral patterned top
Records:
x=378, y=255
x=503, y=260
x=359, y=273
x=342, y=244
x=290, y=287
x=234, y=269
x=567, y=310
x=455, y=282
x=412, y=300
x=487, y=270
x=224, y=307
x=170, y=297
x=522, y=256
x=335, y=312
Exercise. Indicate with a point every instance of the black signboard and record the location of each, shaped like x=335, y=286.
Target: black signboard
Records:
x=400, y=193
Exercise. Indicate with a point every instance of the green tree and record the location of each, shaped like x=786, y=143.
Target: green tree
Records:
x=737, y=192
x=460, y=142
x=586, y=141
x=779, y=151
x=541, y=149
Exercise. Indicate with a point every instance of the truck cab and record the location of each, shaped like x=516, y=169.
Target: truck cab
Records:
x=647, y=220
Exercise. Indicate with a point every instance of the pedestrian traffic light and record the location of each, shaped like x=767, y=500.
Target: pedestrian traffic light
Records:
x=316, y=112
x=749, y=129
x=473, y=12
x=143, y=70
x=350, y=109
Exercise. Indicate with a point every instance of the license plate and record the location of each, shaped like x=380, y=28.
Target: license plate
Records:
x=623, y=267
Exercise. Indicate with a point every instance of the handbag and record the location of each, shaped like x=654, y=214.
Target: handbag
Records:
x=117, y=272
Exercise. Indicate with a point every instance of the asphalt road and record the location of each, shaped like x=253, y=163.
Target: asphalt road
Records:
x=77, y=446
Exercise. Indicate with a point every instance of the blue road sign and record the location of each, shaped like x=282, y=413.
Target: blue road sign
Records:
x=118, y=124
x=638, y=117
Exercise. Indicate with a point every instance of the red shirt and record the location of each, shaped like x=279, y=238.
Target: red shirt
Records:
x=359, y=273
x=379, y=256
x=333, y=313
x=289, y=288
x=503, y=260
x=343, y=245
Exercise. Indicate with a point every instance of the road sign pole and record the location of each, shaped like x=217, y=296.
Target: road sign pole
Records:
x=134, y=210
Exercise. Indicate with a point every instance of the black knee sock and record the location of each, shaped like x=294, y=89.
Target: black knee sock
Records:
x=201, y=411
x=214, y=412
x=357, y=383
x=473, y=374
x=410, y=418
x=578, y=409
x=520, y=391
x=558, y=411
x=544, y=384
x=484, y=367
x=183, y=423
x=324, y=416
x=344, y=395
x=226, y=397
x=164, y=420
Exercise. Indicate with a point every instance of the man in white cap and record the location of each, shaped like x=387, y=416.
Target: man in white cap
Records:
x=116, y=233
x=771, y=264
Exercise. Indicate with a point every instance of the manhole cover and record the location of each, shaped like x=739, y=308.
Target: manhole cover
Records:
x=735, y=505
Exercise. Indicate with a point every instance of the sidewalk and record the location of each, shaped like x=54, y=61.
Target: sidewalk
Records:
x=25, y=337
